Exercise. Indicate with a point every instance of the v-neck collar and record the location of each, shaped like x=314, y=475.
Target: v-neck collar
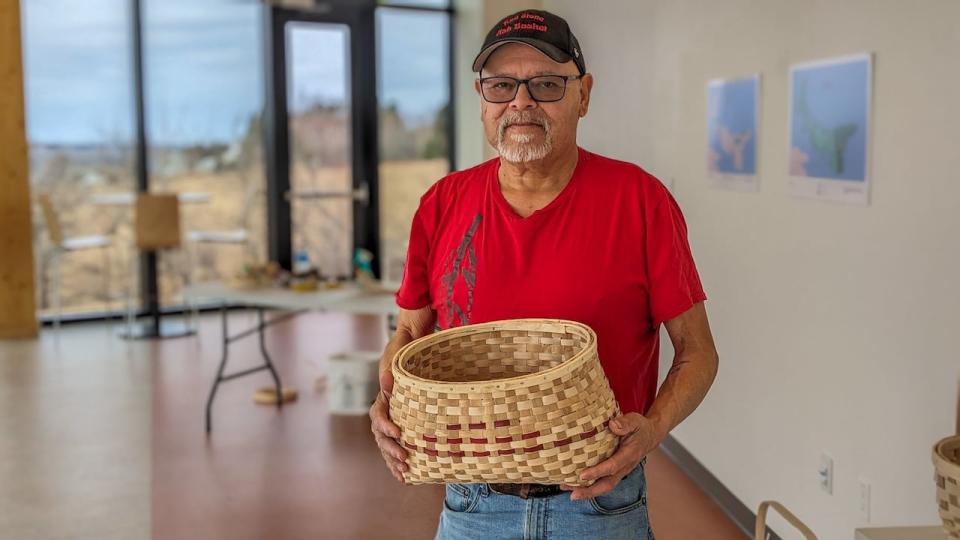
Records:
x=564, y=194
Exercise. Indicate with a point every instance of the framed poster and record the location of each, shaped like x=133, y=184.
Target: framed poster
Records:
x=830, y=129
x=732, y=122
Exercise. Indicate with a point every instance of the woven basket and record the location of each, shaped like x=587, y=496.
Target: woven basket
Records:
x=760, y=527
x=946, y=462
x=514, y=401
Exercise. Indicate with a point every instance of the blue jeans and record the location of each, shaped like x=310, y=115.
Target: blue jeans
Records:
x=475, y=511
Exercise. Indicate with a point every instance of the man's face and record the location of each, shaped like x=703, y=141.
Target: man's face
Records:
x=524, y=130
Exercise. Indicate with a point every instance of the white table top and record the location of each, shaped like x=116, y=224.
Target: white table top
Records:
x=127, y=198
x=902, y=533
x=348, y=298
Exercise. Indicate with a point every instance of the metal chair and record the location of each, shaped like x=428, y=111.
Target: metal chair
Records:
x=65, y=245
x=235, y=237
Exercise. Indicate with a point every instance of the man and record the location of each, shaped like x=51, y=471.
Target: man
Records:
x=553, y=231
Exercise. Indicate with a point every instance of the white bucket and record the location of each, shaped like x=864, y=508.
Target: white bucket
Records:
x=352, y=382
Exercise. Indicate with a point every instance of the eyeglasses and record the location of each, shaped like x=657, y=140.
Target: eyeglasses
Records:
x=545, y=88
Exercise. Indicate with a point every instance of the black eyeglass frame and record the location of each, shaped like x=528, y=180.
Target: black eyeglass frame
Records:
x=526, y=82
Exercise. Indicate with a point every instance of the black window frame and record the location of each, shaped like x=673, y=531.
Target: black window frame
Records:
x=360, y=16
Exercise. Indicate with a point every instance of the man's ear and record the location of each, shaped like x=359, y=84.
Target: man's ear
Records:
x=586, y=85
x=476, y=86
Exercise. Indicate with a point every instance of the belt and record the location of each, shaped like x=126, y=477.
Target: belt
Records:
x=526, y=491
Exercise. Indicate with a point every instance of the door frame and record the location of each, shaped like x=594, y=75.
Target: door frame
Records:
x=359, y=17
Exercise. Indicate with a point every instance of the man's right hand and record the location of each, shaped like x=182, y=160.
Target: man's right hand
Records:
x=411, y=324
x=385, y=432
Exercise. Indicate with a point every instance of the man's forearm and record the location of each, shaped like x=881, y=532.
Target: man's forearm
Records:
x=411, y=324
x=684, y=388
x=399, y=339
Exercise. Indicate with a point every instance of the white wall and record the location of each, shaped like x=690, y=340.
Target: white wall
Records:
x=836, y=325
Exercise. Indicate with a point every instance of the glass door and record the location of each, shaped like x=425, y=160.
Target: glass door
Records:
x=321, y=125
x=320, y=154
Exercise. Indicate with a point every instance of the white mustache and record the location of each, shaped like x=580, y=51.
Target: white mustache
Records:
x=522, y=118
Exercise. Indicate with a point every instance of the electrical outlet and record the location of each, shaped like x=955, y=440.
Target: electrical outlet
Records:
x=864, y=500
x=826, y=473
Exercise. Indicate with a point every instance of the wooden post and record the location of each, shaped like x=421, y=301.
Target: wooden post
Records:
x=17, y=304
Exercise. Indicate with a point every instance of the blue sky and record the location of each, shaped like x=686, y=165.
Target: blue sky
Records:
x=203, y=68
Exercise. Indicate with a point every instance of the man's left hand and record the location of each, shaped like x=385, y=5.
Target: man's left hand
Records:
x=638, y=436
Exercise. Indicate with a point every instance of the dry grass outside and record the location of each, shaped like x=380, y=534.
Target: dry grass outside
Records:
x=323, y=227
x=402, y=183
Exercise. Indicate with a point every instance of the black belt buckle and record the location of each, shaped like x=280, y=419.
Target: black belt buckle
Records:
x=527, y=491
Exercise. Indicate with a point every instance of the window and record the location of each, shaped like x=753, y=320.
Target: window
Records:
x=414, y=100
x=440, y=4
x=204, y=96
x=79, y=108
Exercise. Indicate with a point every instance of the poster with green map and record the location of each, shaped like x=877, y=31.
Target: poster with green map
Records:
x=830, y=129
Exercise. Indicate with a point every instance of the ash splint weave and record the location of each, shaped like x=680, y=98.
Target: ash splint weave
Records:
x=946, y=462
x=516, y=401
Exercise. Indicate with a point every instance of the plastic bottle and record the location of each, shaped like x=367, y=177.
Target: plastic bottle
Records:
x=301, y=263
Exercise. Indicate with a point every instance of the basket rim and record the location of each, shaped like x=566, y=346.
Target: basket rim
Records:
x=941, y=462
x=518, y=381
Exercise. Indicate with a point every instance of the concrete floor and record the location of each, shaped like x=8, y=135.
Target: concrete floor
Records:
x=103, y=438
x=75, y=436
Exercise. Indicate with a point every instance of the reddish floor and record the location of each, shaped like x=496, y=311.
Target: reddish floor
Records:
x=301, y=473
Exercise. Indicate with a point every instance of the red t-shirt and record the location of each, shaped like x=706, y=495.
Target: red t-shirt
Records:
x=609, y=251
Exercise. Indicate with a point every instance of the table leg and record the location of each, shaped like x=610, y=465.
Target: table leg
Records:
x=260, y=330
x=266, y=357
x=223, y=364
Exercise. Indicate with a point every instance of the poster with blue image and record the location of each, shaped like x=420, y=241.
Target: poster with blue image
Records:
x=732, y=111
x=830, y=129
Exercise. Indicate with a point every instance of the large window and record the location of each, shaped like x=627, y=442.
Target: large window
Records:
x=79, y=101
x=441, y=4
x=204, y=96
x=203, y=93
x=414, y=96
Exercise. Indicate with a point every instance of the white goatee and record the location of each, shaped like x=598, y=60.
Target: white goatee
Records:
x=519, y=147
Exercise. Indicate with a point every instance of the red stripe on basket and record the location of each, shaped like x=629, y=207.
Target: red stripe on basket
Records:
x=478, y=425
x=505, y=452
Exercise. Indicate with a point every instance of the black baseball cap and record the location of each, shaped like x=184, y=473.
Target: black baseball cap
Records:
x=548, y=33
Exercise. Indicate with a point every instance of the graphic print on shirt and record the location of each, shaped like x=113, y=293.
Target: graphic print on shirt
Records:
x=459, y=267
